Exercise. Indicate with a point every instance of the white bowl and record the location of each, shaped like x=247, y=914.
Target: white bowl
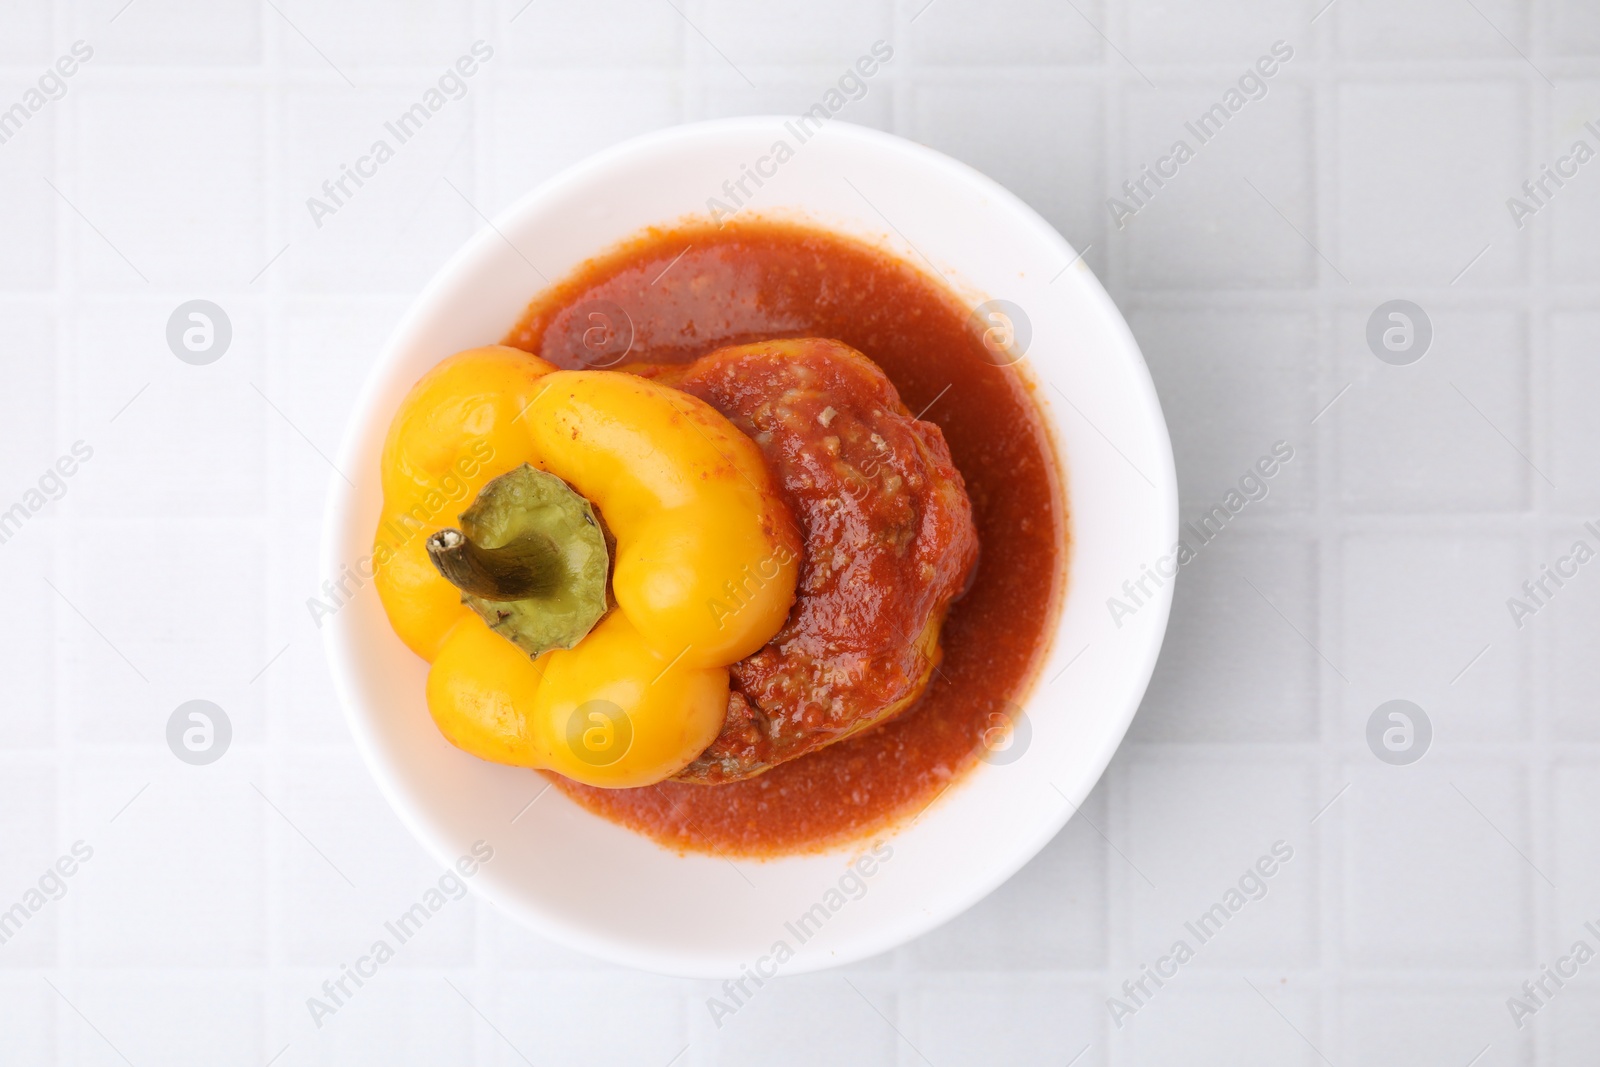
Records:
x=594, y=886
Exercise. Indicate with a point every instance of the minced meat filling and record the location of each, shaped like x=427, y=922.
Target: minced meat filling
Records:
x=888, y=543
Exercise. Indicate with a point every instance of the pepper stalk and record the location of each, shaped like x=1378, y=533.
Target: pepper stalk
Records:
x=531, y=559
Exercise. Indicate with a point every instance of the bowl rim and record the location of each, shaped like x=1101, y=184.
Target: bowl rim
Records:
x=340, y=502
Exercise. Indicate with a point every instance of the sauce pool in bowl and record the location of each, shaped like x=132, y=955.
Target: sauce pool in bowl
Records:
x=672, y=295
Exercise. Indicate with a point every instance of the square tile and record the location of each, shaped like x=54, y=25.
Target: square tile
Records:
x=982, y=122
x=1424, y=171
x=102, y=694
x=29, y=1035
x=1254, y=679
x=173, y=181
x=179, y=878
x=1205, y=834
x=513, y=947
x=620, y=34
x=532, y=135
x=181, y=1020
x=1568, y=621
x=167, y=438
x=1233, y=385
x=172, y=33
x=1424, y=619
x=1574, y=28
x=354, y=835
x=1222, y=1024
x=867, y=101
x=30, y=911
x=302, y=704
x=1006, y=33
x=1238, y=211
x=388, y=231
x=27, y=37
x=27, y=170
x=825, y=33
x=1575, y=801
x=28, y=637
x=300, y=697
x=1574, y=431
x=330, y=346
x=370, y=33
x=1433, y=436
x=395, y=1017
x=1428, y=879
x=1429, y=1025
x=1062, y=892
x=575, y=1022
x=1409, y=30
x=28, y=444
x=1576, y=1024
x=159, y=627
x=1214, y=31
x=1007, y=1020
x=1569, y=211
x=778, y=1024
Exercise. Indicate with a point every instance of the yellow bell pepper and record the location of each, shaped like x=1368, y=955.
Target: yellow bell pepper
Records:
x=706, y=559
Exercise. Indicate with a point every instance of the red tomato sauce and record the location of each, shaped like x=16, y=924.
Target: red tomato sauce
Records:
x=673, y=295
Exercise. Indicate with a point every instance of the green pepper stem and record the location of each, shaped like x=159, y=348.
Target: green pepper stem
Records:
x=530, y=559
x=527, y=566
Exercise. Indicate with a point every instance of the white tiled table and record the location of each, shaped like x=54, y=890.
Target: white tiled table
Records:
x=177, y=563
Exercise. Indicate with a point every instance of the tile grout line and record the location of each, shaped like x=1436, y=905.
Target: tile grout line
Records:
x=1328, y=836
x=278, y=1023
x=64, y=306
x=1117, y=85
x=1537, y=789
x=274, y=1011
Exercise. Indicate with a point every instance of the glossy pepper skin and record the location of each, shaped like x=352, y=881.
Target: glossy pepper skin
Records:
x=705, y=564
